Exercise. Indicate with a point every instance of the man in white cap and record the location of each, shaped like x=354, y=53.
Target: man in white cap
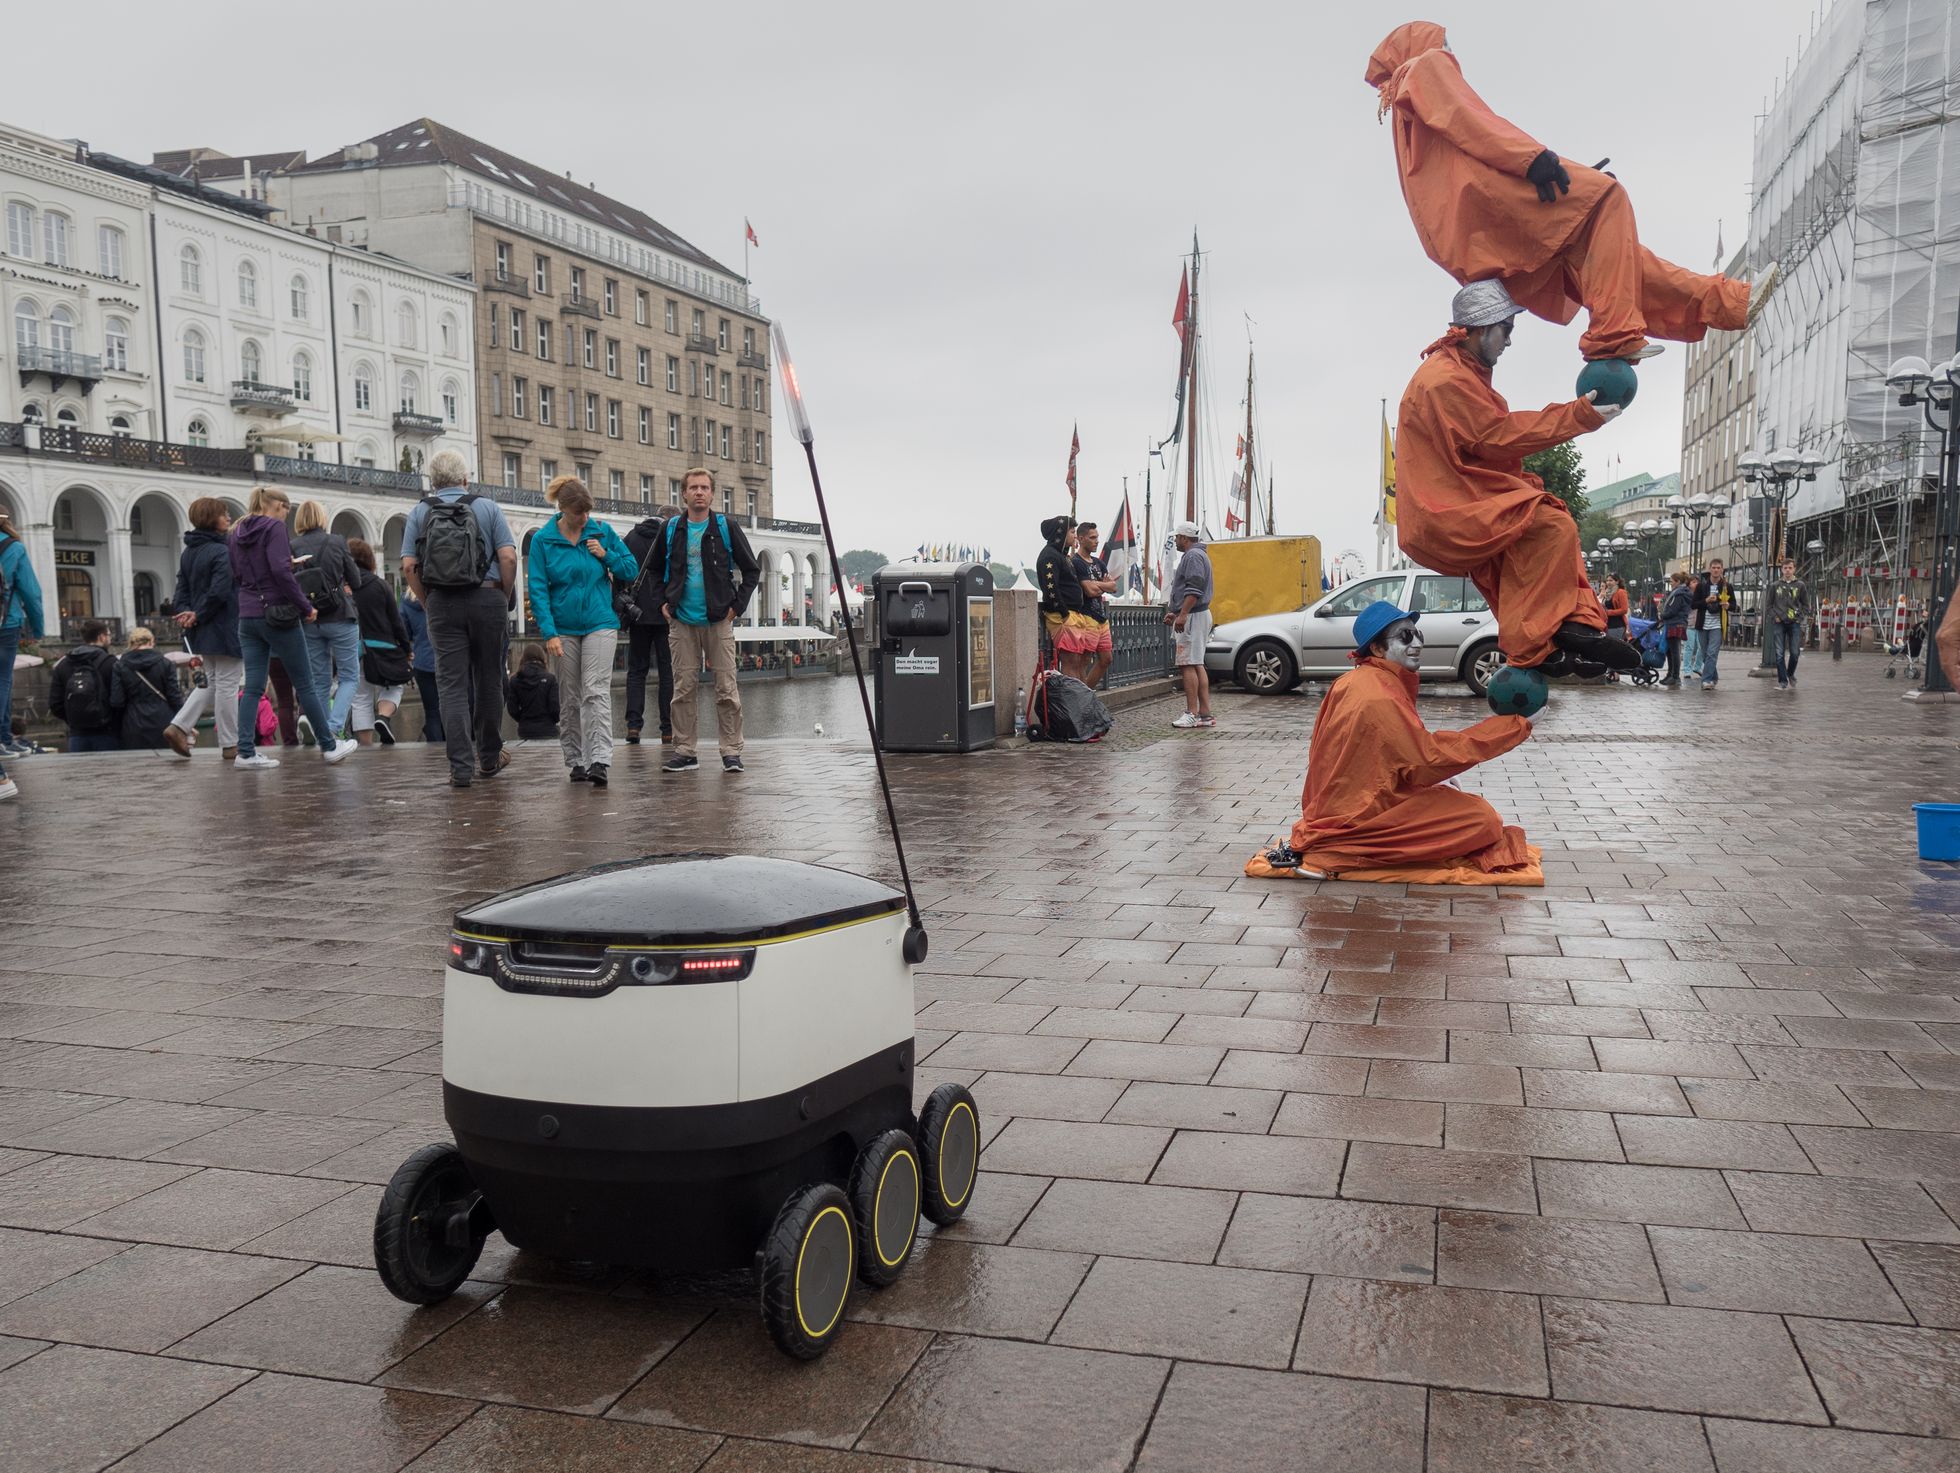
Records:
x=1467, y=507
x=1189, y=616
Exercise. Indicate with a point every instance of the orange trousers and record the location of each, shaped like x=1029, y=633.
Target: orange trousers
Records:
x=1438, y=825
x=1629, y=293
x=1538, y=583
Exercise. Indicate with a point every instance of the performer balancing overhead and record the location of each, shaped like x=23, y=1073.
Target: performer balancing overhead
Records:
x=1491, y=203
x=1467, y=506
x=1378, y=795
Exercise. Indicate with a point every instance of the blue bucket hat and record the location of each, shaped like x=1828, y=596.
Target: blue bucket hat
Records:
x=1372, y=620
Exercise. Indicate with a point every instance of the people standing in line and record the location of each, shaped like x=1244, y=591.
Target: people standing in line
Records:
x=146, y=696
x=423, y=663
x=1189, y=616
x=20, y=625
x=531, y=696
x=1093, y=573
x=385, y=651
x=647, y=642
x=695, y=568
x=333, y=641
x=461, y=561
x=1071, y=633
x=1673, y=617
x=569, y=572
x=272, y=611
x=206, y=607
x=83, y=692
x=1713, y=598
x=1789, y=606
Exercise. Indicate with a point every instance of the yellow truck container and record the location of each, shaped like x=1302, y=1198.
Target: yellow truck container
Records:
x=1262, y=575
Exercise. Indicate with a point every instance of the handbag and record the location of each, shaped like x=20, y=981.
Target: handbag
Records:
x=283, y=616
x=384, y=664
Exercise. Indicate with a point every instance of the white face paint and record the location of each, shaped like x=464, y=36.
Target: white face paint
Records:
x=1404, y=645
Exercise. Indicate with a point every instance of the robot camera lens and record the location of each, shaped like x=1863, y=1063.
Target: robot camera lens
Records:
x=643, y=969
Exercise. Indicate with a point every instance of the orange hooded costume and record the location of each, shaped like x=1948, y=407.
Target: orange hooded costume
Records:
x=1466, y=506
x=1463, y=175
x=1372, y=798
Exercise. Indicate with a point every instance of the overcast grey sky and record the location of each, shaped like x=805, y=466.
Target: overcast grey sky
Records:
x=972, y=224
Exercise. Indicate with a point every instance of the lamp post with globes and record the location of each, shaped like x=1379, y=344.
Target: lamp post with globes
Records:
x=1937, y=390
x=1777, y=477
x=1697, y=511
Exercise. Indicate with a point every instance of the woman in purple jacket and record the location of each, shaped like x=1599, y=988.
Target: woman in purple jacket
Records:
x=272, y=607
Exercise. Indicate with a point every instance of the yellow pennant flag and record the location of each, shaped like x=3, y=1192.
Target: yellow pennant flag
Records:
x=1388, y=474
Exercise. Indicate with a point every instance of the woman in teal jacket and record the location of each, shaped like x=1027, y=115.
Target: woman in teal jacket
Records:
x=569, y=575
x=20, y=623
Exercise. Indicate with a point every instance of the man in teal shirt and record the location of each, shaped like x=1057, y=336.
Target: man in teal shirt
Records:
x=695, y=563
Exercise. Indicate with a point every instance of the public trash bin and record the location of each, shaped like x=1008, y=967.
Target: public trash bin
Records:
x=935, y=669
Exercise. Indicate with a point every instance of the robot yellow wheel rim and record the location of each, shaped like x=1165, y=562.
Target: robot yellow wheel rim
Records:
x=903, y=1222
x=962, y=1149
x=829, y=1273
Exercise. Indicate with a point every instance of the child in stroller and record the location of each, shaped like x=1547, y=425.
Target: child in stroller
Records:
x=1650, y=638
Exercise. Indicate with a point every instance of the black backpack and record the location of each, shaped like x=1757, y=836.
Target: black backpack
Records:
x=320, y=590
x=452, y=552
x=85, y=702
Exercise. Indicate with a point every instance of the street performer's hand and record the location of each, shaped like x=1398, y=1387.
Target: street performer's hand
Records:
x=1607, y=412
x=1549, y=175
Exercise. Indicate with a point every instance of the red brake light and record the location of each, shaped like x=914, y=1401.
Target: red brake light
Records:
x=714, y=964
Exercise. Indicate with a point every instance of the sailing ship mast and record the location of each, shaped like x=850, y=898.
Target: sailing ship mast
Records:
x=1191, y=395
x=1248, y=477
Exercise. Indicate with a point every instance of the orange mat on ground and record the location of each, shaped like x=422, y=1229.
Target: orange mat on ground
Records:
x=1530, y=875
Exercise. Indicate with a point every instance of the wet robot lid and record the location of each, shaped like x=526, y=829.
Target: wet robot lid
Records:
x=682, y=900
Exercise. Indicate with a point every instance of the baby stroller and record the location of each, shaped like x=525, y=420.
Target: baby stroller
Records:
x=1915, y=641
x=1650, y=638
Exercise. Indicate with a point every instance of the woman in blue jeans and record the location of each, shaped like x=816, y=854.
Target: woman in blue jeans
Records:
x=272, y=610
x=20, y=622
x=334, y=639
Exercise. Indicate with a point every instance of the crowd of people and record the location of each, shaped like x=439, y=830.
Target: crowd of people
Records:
x=292, y=636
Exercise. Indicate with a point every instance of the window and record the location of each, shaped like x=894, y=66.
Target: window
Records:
x=612, y=357
x=364, y=389
x=363, y=316
x=365, y=454
x=513, y=468
x=517, y=396
x=115, y=345
x=405, y=324
x=612, y=419
x=758, y=447
x=109, y=251
x=728, y=501
x=1356, y=597
x=544, y=340
x=448, y=336
x=27, y=326
x=699, y=328
x=644, y=365
x=583, y=470
x=411, y=394
x=711, y=437
x=726, y=453
x=503, y=268
x=693, y=378
x=497, y=394
x=745, y=391
x=54, y=238
x=751, y=507
x=198, y=432
x=726, y=395
x=297, y=298
x=748, y=341
x=194, y=357
x=646, y=488
x=673, y=375
x=640, y=308
x=673, y=491
x=646, y=426
x=761, y=383
x=547, y=473
x=20, y=230
x=578, y=283
x=451, y=405
x=590, y=355
x=61, y=330
x=303, y=378
x=30, y=414
x=248, y=288
x=1444, y=596
x=694, y=435
x=673, y=311
x=592, y=413
x=493, y=328
x=516, y=331
x=251, y=363
x=190, y=271
x=119, y=425
x=616, y=484
x=541, y=274
x=721, y=335
x=673, y=432
x=612, y=297
x=544, y=404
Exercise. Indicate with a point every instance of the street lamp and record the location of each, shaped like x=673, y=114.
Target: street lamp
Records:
x=1696, y=511
x=1937, y=389
x=1778, y=478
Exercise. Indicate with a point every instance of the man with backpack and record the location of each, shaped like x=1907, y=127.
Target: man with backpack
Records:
x=83, y=692
x=693, y=574
x=461, y=561
x=647, y=641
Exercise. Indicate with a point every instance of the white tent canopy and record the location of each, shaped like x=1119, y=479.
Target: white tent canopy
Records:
x=766, y=633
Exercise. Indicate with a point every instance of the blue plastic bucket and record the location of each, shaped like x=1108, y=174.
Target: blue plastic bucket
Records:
x=1939, y=830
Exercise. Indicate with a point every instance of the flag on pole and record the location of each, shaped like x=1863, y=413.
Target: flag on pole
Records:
x=1074, y=448
x=1120, y=553
x=1181, y=313
x=748, y=233
x=1388, y=475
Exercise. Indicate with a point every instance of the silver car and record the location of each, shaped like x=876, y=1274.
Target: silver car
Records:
x=1271, y=653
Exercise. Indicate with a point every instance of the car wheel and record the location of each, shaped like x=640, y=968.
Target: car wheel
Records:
x=1481, y=665
x=1266, y=668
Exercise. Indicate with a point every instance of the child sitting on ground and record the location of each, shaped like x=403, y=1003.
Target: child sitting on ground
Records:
x=531, y=696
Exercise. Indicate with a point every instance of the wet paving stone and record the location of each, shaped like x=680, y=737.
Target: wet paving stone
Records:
x=74, y=1410
x=1308, y=1235
x=33, y=1260
x=1777, y=1273
x=1837, y=1206
x=1885, y=1378
x=1764, y=1447
x=1061, y=1148
x=1575, y=1135
x=1186, y=1311
x=212, y=1209
x=1659, y=1140
x=1466, y=1338
x=1282, y=1423
x=1252, y=1163
x=144, y=1298
x=1345, y=1117
x=1469, y=1433
x=1676, y=1196
x=1132, y=1221
x=976, y=1289
x=1927, y=1277
x=1539, y=1255
x=1440, y=1178
x=59, y=1191
x=1684, y=1360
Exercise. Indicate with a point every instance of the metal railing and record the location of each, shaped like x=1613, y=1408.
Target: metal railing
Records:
x=59, y=362
x=583, y=306
x=515, y=285
x=67, y=441
x=366, y=477
x=701, y=342
x=408, y=422
x=247, y=393
x=1142, y=643
x=777, y=524
x=750, y=358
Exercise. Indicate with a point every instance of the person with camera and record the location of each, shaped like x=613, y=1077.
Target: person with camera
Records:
x=325, y=569
x=647, y=645
x=272, y=611
x=570, y=570
x=386, y=650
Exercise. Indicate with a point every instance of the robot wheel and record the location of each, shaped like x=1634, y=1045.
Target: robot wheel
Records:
x=949, y=1149
x=805, y=1265
x=430, y=1226
x=884, y=1192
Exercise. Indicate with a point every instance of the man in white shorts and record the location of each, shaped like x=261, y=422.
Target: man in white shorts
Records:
x=1189, y=616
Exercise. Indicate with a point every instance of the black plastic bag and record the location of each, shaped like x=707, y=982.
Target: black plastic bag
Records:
x=1063, y=709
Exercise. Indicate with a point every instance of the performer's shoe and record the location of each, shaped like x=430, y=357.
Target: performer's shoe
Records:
x=1652, y=350
x=1284, y=858
x=1583, y=642
x=1760, y=291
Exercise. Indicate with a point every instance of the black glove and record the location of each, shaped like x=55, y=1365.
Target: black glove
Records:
x=1547, y=173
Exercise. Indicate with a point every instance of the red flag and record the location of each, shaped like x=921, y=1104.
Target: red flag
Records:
x=1231, y=520
x=749, y=231
x=1181, y=313
x=1074, y=448
x=1241, y=447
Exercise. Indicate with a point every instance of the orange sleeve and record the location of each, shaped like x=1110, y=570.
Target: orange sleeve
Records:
x=1433, y=89
x=1422, y=758
x=1483, y=432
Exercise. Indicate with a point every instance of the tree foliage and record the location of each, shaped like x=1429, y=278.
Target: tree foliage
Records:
x=861, y=562
x=1564, y=474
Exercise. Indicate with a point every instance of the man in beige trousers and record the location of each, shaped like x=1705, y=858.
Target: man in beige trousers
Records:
x=706, y=573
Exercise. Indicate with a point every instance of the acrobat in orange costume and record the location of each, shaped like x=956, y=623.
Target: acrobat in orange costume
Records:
x=1374, y=796
x=1491, y=202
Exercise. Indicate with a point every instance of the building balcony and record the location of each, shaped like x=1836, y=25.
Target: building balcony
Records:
x=408, y=422
x=701, y=342
x=752, y=358
x=249, y=396
x=583, y=306
x=365, y=477
x=516, y=286
x=61, y=366
x=124, y=450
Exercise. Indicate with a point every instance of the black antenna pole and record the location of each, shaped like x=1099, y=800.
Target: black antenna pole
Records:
x=915, y=938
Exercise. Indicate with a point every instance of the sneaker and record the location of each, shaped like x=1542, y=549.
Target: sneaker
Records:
x=8, y=788
x=1760, y=290
x=305, y=732
x=340, y=751
x=383, y=730
x=1782, y=685
x=178, y=740
x=1708, y=685
x=491, y=769
x=1189, y=721
x=1207, y=722
x=459, y=779
x=255, y=762
x=732, y=762
x=596, y=774
x=632, y=736
x=681, y=762
x=579, y=775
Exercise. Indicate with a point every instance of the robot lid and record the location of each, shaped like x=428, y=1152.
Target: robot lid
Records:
x=682, y=900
